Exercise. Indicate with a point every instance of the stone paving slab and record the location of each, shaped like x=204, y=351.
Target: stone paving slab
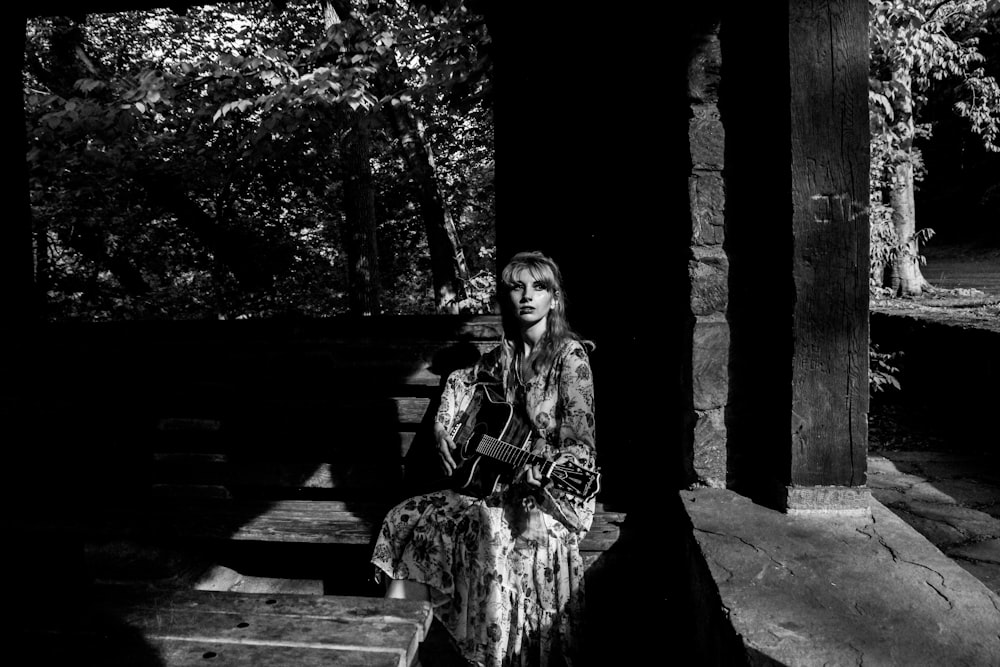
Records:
x=840, y=589
x=951, y=499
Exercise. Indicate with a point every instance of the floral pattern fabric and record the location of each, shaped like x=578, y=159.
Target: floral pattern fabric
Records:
x=505, y=571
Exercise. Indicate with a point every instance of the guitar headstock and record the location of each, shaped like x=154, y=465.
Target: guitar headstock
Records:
x=573, y=478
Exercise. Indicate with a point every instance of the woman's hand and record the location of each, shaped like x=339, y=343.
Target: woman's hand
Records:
x=534, y=475
x=445, y=448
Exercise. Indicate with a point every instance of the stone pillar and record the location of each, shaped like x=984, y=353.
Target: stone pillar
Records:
x=794, y=107
x=706, y=376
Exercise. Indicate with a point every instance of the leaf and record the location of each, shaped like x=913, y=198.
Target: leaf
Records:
x=87, y=85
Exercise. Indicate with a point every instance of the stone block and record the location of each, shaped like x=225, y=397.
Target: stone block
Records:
x=710, y=447
x=706, y=137
x=710, y=364
x=707, y=195
x=705, y=70
x=708, y=272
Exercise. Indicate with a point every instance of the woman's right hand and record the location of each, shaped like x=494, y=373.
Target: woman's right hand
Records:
x=445, y=448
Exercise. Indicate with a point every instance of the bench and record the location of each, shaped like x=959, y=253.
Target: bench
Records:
x=254, y=457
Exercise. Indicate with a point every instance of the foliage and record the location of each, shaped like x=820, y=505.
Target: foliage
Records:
x=188, y=165
x=882, y=369
x=937, y=42
x=934, y=45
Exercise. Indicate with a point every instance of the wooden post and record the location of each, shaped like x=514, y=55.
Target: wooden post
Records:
x=828, y=71
x=795, y=109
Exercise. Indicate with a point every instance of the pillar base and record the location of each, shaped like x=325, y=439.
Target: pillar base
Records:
x=827, y=500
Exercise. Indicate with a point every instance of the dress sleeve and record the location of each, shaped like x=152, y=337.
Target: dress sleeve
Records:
x=575, y=415
x=576, y=408
x=457, y=392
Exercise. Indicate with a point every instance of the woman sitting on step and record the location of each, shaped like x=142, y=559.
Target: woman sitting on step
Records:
x=499, y=557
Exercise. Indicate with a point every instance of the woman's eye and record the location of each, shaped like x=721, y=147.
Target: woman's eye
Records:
x=539, y=287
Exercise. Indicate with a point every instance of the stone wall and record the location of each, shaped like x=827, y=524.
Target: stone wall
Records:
x=707, y=376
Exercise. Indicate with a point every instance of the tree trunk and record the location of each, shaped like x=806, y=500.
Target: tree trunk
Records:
x=43, y=268
x=905, y=276
x=359, y=200
x=449, y=269
x=359, y=206
x=254, y=261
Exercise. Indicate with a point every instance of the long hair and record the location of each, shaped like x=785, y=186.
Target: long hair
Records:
x=544, y=270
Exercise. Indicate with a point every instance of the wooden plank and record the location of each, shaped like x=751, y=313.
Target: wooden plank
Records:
x=187, y=653
x=604, y=531
x=301, y=631
x=178, y=626
x=355, y=426
x=322, y=522
x=323, y=366
x=346, y=623
x=137, y=651
x=343, y=608
x=382, y=476
x=308, y=521
x=266, y=411
x=222, y=578
x=296, y=521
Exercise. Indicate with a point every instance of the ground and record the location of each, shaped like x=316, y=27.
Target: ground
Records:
x=965, y=281
x=963, y=306
x=965, y=292
x=943, y=485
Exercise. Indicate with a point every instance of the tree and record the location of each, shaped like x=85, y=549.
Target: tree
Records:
x=920, y=47
x=216, y=151
x=397, y=87
x=359, y=189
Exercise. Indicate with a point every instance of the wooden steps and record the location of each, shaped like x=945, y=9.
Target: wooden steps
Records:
x=245, y=468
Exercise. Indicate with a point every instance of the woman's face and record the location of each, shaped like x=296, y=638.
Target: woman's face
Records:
x=530, y=299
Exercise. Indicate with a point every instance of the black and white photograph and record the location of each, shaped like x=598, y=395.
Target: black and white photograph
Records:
x=470, y=333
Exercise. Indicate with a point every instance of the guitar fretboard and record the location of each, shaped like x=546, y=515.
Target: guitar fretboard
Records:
x=505, y=452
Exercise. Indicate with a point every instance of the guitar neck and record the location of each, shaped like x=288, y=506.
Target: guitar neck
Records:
x=507, y=453
x=569, y=477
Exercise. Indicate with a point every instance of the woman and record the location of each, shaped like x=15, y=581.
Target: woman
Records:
x=504, y=571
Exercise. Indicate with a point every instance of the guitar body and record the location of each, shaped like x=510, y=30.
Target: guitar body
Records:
x=488, y=415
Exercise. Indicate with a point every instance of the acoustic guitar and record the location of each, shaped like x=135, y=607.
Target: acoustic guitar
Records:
x=492, y=440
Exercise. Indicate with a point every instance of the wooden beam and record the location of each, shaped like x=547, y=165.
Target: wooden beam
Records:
x=828, y=74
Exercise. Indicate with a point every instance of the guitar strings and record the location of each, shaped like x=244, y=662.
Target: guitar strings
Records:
x=503, y=451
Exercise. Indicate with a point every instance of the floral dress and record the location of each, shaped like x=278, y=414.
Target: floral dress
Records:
x=505, y=571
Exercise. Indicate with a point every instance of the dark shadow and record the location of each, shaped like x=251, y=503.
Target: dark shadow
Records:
x=758, y=246
x=949, y=375
x=56, y=618
x=421, y=463
x=265, y=411
x=622, y=620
